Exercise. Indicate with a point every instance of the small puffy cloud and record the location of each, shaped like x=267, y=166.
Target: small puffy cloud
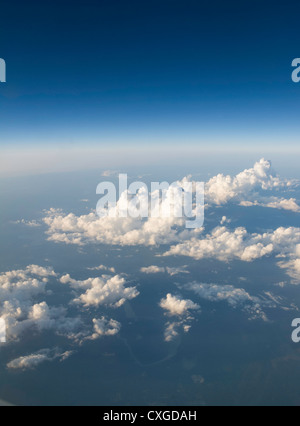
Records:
x=176, y=306
x=153, y=270
x=105, y=327
x=177, y=271
x=103, y=268
x=105, y=290
x=171, y=331
x=174, y=329
x=225, y=220
x=160, y=270
x=102, y=327
x=34, y=360
x=55, y=318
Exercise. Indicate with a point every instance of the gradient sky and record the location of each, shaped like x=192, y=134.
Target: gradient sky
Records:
x=149, y=72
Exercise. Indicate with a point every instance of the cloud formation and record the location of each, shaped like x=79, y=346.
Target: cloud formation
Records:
x=153, y=270
x=85, y=229
x=292, y=261
x=102, y=327
x=103, y=268
x=161, y=270
x=105, y=290
x=20, y=309
x=236, y=298
x=252, y=187
x=105, y=327
x=175, y=306
x=226, y=245
x=32, y=361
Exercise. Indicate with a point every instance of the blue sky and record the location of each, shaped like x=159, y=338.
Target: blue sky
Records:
x=150, y=72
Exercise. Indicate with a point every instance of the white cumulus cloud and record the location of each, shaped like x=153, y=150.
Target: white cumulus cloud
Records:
x=251, y=187
x=105, y=290
x=106, y=327
x=177, y=306
x=226, y=245
x=254, y=186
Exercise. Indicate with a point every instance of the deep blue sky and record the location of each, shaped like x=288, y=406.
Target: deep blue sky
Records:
x=155, y=71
